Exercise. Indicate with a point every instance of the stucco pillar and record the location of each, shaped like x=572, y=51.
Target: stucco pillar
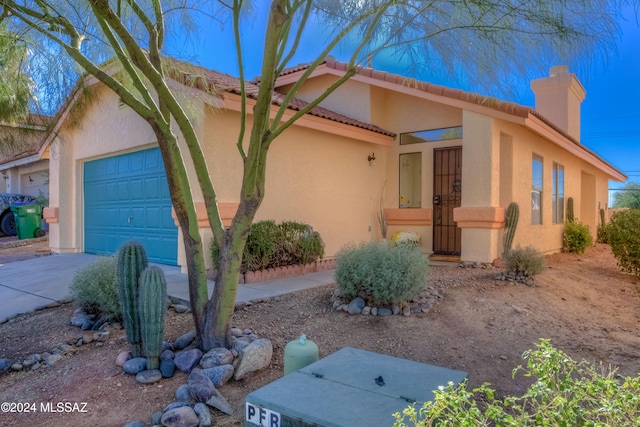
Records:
x=480, y=217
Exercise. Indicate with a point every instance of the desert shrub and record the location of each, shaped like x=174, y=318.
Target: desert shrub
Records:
x=601, y=236
x=576, y=237
x=623, y=234
x=94, y=288
x=564, y=392
x=528, y=261
x=271, y=245
x=381, y=273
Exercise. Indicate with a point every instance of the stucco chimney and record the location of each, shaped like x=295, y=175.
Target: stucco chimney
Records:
x=558, y=98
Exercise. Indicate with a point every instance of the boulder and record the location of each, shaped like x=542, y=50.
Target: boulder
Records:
x=200, y=386
x=180, y=417
x=188, y=359
x=219, y=375
x=135, y=365
x=254, y=357
x=219, y=402
x=183, y=341
x=216, y=357
x=356, y=305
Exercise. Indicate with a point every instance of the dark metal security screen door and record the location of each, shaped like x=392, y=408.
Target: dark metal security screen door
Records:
x=447, y=193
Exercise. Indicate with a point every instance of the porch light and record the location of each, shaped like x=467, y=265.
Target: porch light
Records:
x=372, y=159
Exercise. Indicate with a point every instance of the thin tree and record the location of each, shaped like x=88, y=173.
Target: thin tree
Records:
x=474, y=35
x=627, y=197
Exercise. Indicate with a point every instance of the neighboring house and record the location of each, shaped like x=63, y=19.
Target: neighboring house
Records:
x=22, y=170
x=441, y=162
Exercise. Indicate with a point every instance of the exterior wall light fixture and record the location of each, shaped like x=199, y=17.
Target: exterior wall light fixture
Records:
x=372, y=159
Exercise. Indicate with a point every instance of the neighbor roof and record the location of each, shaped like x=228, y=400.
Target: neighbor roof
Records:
x=32, y=125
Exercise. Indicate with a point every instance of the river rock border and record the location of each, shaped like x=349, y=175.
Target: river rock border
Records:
x=421, y=304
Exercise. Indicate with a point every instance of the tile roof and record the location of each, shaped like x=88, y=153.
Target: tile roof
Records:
x=508, y=107
x=218, y=82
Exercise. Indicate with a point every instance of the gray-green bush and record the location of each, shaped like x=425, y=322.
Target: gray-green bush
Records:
x=564, y=393
x=576, y=237
x=528, y=261
x=623, y=234
x=381, y=273
x=94, y=288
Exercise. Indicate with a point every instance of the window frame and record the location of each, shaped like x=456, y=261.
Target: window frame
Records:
x=557, y=193
x=537, y=192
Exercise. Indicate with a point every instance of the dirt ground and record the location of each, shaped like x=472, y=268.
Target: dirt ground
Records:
x=584, y=304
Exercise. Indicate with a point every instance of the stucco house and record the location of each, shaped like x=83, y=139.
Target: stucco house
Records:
x=438, y=161
x=22, y=170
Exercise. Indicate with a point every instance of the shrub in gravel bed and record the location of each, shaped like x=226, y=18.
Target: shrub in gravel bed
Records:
x=527, y=261
x=381, y=273
x=94, y=288
x=576, y=237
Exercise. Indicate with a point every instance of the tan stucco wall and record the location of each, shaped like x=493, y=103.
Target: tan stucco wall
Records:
x=314, y=177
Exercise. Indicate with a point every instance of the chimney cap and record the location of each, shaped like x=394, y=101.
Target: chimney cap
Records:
x=558, y=70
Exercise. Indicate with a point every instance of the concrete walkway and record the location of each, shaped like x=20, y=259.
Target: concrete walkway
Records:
x=35, y=283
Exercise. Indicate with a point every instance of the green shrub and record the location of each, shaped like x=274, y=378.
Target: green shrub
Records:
x=94, y=288
x=576, y=237
x=623, y=234
x=601, y=236
x=528, y=261
x=564, y=393
x=271, y=245
x=381, y=273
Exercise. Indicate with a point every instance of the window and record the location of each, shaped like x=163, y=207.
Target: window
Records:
x=536, y=190
x=410, y=180
x=557, y=196
x=431, y=135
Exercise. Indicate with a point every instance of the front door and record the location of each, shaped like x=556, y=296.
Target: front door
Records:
x=447, y=195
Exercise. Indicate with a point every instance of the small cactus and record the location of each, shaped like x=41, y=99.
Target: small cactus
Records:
x=570, y=215
x=602, y=218
x=152, y=306
x=132, y=260
x=511, y=222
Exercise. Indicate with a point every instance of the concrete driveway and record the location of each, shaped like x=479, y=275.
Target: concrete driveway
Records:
x=37, y=282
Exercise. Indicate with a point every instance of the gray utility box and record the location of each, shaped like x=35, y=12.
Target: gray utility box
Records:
x=348, y=388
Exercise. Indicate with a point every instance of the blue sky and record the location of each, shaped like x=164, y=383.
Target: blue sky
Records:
x=610, y=112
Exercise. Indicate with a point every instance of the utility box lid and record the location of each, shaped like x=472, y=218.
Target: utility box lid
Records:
x=350, y=387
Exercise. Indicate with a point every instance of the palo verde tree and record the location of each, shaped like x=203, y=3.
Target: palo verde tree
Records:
x=492, y=38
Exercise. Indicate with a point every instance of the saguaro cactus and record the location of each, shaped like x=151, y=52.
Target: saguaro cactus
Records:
x=132, y=260
x=570, y=216
x=511, y=222
x=602, y=218
x=152, y=306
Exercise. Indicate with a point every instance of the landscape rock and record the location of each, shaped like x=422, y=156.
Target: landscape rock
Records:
x=180, y=308
x=16, y=367
x=356, y=306
x=240, y=343
x=219, y=402
x=395, y=309
x=137, y=423
x=156, y=417
x=182, y=393
x=406, y=311
x=254, y=357
x=384, y=311
x=219, y=375
x=167, y=354
x=5, y=364
x=135, y=365
x=216, y=357
x=374, y=311
x=167, y=368
x=52, y=359
x=180, y=417
x=183, y=341
x=123, y=357
x=200, y=386
x=186, y=360
x=178, y=404
x=203, y=413
x=366, y=310
x=149, y=376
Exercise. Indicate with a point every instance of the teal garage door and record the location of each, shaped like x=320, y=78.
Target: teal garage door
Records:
x=127, y=198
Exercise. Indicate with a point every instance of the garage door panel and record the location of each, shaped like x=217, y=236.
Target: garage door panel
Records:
x=127, y=198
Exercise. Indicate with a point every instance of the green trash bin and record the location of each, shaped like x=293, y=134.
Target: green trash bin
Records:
x=28, y=217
